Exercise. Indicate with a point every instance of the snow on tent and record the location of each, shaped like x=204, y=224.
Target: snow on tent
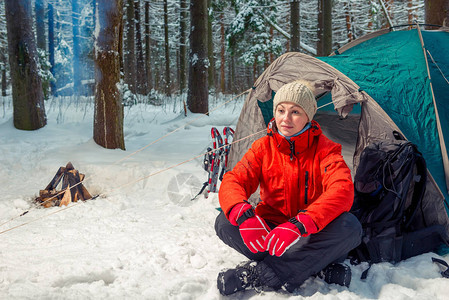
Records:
x=385, y=76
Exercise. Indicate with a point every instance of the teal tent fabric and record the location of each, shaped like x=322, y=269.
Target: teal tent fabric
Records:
x=391, y=68
x=266, y=108
x=437, y=48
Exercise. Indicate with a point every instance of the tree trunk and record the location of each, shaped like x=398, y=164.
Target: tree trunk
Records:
x=410, y=12
x=141, y=72
x=129, y=64
x=108, y=121
x=222, y=53
x=320, y=29
x=370, y=19
x=437, y=12
x=294, y=26
x=348, y=18
x=77, y=70
x=120, y=45
x=27, y=94
x=4, y=84
x=51, y=46
x=327, y=27
x=210, y=49
x=40, y=24
x=148, y=46
x=182, y=44
x=232, y=79
x=197, y=98
x=254, y=77
x=167, y=51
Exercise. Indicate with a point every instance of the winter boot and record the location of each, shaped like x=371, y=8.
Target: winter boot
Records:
x=249, y=275
x=338, y=273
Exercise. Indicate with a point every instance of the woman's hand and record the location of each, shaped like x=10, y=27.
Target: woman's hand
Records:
x=253, y=229
x=281, y=238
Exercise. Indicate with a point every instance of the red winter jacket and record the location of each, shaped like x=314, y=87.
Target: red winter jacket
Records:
x=304, y=175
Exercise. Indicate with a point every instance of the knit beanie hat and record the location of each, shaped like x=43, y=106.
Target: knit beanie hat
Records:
x=298, y=92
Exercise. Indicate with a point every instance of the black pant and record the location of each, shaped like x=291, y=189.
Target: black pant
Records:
x=305, y=258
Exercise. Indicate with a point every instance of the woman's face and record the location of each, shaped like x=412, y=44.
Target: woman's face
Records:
x=290, y=118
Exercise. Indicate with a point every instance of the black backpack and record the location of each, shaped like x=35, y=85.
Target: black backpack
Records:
x=389, y=187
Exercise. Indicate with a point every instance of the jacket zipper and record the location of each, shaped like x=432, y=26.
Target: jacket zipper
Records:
x=292, y=149
x=306, y=186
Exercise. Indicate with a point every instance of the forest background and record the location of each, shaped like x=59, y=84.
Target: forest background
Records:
x=164, y=52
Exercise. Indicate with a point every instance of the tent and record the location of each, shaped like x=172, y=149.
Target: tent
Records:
x=400, y=81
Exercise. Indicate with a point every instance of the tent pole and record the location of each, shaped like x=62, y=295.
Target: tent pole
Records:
x=437, y=116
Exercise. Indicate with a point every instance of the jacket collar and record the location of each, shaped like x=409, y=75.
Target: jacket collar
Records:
x=297, y=144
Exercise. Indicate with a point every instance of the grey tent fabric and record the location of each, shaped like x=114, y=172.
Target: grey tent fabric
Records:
x=288, y=67
x=374, y=124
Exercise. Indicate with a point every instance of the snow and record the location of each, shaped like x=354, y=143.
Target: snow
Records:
x=143, y=238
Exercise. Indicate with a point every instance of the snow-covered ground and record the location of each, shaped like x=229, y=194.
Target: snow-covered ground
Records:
x=143, y=238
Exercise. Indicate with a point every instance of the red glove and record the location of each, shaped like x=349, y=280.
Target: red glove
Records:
x=287, y=234
x=253, y=228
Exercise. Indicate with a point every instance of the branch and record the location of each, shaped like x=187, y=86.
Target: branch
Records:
x=386, y=13
x=287, y=35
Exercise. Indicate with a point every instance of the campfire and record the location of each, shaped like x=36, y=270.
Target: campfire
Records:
x=71, y=189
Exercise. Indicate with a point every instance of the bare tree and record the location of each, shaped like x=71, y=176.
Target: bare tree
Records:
x=108, y=119
x=197, y=97
x=27, y=94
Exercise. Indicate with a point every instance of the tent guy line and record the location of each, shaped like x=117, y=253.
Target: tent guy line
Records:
x=128, y=156
x=147, y=176
x=188, y=123
x=143, y=148
x=118, y=187
x=435, y=63
x=139, y=179
x=144, y=177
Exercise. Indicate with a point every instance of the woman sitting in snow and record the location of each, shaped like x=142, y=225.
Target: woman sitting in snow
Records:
x=302, y=226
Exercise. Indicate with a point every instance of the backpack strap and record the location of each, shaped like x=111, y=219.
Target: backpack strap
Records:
x=444, y=273
x=420, y=182
x=419, y=189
